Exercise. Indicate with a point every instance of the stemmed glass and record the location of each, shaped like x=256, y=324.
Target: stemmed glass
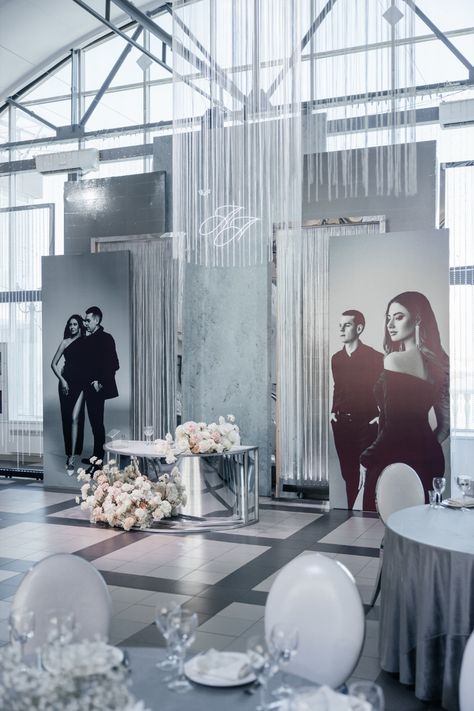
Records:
x=163, y=622
x=262, y=664
x=22, y=627
x=439, y=485
x=370, y=692
x=148, y=432
x=183, y=626
x=283, y=644
x=464, y=483
x=62, y=627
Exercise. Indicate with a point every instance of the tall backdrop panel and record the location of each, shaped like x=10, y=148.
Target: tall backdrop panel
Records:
x=226, y=365
x=154, y=307
x=365, y=274
x=71, y=285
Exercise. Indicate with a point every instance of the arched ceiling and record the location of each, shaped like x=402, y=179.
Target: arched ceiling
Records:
x=36, y=33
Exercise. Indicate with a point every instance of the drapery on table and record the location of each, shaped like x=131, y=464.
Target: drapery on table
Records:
x=427, y=603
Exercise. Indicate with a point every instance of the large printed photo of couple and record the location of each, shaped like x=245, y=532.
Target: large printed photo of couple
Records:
x=86, y=360
x=389, y=338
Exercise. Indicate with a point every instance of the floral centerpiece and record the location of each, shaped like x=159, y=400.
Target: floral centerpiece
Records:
x=127, y=499
x=23, y=688
x=201, y=438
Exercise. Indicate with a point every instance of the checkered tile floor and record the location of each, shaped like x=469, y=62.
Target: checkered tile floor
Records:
x=224, y=577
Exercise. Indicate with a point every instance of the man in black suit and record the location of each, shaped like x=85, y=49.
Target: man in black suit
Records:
x=99, y=368
x=355, y=370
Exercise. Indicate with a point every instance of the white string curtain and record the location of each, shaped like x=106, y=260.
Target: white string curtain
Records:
x=359, y=77
x=303, y=351
x=154, y=305
x=26, y=234
x=460, y=221
x=237, y=159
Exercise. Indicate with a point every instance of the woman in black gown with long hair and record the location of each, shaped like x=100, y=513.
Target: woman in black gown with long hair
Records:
x=71, y=396
x=415, y=379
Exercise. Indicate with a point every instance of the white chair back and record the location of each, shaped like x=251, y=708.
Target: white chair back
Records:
x=466, y=678
x=398, y=487
x=65, y=582
x=318, y=596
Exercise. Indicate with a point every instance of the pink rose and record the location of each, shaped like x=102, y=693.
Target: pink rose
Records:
x=128, y=523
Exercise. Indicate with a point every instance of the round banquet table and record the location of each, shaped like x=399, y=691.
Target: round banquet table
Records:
x=427, y=601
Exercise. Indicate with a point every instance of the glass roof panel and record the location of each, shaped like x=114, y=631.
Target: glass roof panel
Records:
x=449, y=15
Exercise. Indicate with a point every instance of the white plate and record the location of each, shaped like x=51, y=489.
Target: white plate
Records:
x=72, y=660
x=193, y=672
x=458, y=503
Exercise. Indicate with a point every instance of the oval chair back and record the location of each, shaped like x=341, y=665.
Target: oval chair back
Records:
x=398, y=487
x=318, y=596
x=68, y=583
x=466, y=678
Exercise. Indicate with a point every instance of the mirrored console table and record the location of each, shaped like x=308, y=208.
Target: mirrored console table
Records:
x=222, y=489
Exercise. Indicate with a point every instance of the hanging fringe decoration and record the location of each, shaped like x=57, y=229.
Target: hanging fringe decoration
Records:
x=245, y=74
x=237, y=159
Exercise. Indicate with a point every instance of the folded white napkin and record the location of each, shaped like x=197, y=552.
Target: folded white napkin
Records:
x=468, y=502
x=227, y=666
x=326, y=699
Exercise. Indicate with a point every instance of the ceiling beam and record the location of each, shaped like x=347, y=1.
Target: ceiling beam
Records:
x=109, y=78
x=442, y=37
x=221, y=77
x=298, y=51
x=17, y=105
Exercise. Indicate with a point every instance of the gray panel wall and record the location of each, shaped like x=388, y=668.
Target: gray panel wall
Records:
x=163, y=160
x=403, y=213
x=103, y=207
x=226, y=350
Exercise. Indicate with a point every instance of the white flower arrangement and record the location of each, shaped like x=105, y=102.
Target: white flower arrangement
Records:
x=201, y=438
x=127, y=499
x=25, y=688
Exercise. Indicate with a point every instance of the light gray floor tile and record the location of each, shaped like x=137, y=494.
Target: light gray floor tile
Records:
x=244, y=611
x=219, y=624
x=205, y=577
x=368, y=668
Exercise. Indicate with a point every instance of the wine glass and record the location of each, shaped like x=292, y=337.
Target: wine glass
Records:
x=148, y=432
x=183, y=626
x=464, y=483
x=283, y=644
x=162, y=621
x=62, y=627
x=439, y=485
x=22, y=627
x=370, y=692
x=261, y=663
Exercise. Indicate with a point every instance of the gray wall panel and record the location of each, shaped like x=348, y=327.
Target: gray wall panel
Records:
x=402, y=212
x=123, y=205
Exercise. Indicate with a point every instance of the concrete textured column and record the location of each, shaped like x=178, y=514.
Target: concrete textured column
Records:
x=226, y=352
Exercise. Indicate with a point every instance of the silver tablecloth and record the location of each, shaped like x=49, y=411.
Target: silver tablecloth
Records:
x=427, y=603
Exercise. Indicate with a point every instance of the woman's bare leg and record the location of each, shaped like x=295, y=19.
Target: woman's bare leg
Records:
x=75, y=422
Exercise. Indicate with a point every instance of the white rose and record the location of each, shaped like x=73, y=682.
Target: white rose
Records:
x=165, y=507
x=205, y=445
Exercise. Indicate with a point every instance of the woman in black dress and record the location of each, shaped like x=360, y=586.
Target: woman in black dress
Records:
x=71, y=396
x=415, y=379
